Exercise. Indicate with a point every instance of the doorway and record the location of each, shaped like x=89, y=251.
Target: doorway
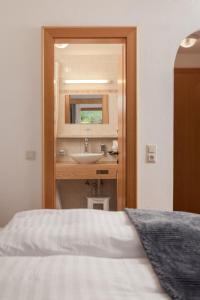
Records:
x=187, y=126
x=126, y=168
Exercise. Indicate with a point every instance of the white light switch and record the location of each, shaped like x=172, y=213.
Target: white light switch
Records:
x=30, y=155
x=151, y=153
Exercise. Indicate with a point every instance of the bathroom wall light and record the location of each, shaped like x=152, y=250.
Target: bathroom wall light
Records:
x=61, y=46
x=188, y=42
x=75, y=81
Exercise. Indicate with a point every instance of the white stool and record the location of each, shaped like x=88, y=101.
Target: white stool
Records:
x=98, y=203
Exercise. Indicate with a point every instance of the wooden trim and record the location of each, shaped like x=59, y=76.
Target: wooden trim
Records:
x=105, y=109
x=67, y=109
x=121, y=176
x=48, y=122
x=186, y=70
x=129, y=130
x=131, y=121
x=85, y=101
x=88, y=32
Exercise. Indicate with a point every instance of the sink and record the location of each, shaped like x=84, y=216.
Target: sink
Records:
x=86, y=157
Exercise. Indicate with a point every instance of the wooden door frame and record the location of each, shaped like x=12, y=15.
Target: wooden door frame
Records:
x=129, y=134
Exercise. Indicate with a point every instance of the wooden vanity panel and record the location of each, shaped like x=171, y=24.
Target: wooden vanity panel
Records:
x=82, y=171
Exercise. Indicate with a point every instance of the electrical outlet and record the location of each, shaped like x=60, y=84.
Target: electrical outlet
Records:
x=30, y=155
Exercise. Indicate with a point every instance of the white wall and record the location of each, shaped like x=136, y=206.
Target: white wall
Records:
x=161, y=26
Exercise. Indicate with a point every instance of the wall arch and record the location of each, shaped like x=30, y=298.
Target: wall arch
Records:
x=186, y=192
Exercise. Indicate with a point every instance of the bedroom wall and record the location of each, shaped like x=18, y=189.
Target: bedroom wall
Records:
x=161, y=27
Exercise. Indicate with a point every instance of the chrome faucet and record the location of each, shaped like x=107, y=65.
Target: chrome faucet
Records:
x=86, y=144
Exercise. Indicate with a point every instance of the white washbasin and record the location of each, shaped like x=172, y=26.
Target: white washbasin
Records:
x=86, y=157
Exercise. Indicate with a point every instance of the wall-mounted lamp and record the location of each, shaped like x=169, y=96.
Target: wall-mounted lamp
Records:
x=188, y=42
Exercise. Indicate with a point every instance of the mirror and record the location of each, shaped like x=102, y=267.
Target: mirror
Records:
x=86, y=109
x=88, y=89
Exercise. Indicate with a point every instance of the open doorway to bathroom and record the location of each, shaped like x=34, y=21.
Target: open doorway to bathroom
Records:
x=89, y=118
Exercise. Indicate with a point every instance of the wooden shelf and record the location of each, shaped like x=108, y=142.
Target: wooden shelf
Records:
x=86, y=171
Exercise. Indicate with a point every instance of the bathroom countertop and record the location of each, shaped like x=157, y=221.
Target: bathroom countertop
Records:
x=97, y=163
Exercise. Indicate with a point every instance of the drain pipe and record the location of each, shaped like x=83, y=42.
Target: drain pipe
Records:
x=98, y=187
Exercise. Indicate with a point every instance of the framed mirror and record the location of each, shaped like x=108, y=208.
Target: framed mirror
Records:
x=86, y=109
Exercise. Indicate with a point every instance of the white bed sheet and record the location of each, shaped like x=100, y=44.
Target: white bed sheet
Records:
x=78, y=278
x=72, y=231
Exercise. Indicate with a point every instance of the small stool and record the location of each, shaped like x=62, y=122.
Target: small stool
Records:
x=98, y=203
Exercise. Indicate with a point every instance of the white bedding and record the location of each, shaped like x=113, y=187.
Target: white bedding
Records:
x=78, y=278
x=74, y=231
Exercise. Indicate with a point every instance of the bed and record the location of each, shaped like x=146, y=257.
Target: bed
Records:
x=90, y=254
x=78, y=278
x=76, y=231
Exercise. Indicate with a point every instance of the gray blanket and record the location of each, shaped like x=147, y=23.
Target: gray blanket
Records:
x=172, y=243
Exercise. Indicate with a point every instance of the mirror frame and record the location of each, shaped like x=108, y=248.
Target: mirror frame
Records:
x=105, y=108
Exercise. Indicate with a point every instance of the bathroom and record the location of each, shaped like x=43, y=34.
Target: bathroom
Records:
x=88, y=104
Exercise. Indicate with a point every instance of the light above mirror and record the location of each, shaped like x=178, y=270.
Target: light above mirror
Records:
x=79, y=81
x=188, y=42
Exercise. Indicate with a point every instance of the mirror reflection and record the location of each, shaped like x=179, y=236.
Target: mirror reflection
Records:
x=86, y=109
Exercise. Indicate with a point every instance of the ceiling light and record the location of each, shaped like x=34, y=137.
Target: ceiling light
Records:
x=61, y=46
x=87, y=81
x=188, y=42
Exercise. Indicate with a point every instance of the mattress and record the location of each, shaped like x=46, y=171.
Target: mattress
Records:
x=73, y=231
x=78, y=278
